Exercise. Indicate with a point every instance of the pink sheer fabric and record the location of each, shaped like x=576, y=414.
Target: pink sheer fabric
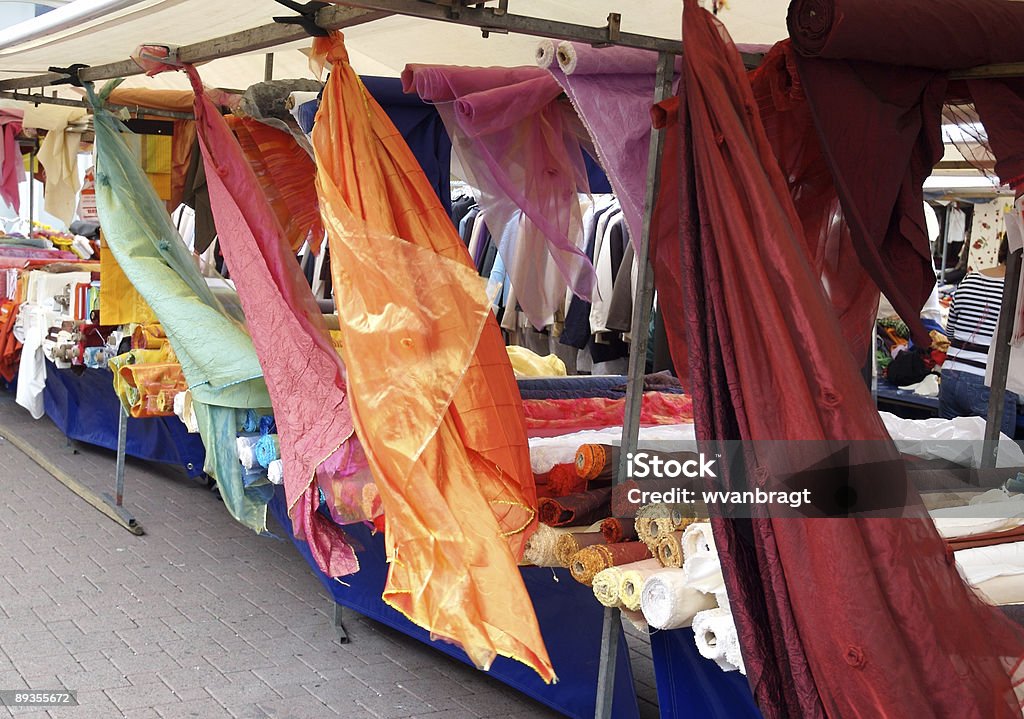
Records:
x=304, y=374
x=916, y=642
x=521, y=148
x=612, y=89
x=12, y=170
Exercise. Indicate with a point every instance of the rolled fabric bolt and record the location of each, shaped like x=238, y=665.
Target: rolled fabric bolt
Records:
x=575, y=509
x=670, y=550
x=246, y=451
x=618, y=530
x=714, y=633
x=541, y=545
x=545, y=53
x=636, y=618
x=251, y=423
x=701, y=564
x=589, y=561
x=563, y=481
x=606, y=586
x=266, y=450
x=633, y=577
x=267, y=425
x=571, y=542
x=667, y=603
x=275, y=472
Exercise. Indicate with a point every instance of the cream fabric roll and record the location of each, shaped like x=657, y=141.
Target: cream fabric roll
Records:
x=668, y=603
x=246, y=454
x=701, y=565
x=632, y=581
x=606, y=586
x=714, y=632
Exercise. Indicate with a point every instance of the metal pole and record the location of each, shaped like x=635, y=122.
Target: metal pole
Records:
x=122, y=442
x=1001, y=361
x=32, y=185
x=268, y=67
x=945, y=242
x=611, y=630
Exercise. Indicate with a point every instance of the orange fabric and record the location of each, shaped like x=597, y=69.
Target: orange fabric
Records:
x=10, y=347
x=151, y=388
x=286, y=174
x=120, y=302
x=434, y=399
x=173, y=100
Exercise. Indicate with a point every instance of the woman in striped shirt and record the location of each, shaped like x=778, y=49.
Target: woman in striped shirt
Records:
x=973, y=319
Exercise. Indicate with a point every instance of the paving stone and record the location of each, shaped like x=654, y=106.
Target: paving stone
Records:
x=199, y=617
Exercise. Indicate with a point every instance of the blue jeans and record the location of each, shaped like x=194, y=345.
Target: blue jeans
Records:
x=962, y=394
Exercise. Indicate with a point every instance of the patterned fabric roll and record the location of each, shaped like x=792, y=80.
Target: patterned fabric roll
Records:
x=670, y=550
x=575, y=509
x=617, y=530
x=571, y=542
x=591, y=560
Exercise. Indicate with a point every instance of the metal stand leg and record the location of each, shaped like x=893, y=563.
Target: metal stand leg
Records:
x=343, y=637
x=122, y=441
x=1001, y=361
x=612, y=629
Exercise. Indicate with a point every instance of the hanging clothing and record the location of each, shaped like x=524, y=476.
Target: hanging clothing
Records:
x=58, y=154
x=12, y=168
x=429, y=382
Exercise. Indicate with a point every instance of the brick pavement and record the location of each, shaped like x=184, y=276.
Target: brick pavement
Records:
x=199, y=617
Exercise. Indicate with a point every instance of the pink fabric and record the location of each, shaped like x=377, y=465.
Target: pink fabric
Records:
x=12, y=169
x=11, y=257
x=612, y=90
x=551, y=417
x=521, y=148
x=304, y=374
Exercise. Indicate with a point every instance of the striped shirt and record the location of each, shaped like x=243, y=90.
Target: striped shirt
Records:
x=973, y=318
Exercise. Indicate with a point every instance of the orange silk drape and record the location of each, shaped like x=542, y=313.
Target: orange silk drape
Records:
x=433, y=395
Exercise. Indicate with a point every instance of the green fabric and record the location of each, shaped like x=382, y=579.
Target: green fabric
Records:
x=215, y=351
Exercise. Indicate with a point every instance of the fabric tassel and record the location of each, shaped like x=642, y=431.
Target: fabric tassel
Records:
x=668, y=603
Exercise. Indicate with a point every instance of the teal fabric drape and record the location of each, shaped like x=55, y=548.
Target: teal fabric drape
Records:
x=212, y=344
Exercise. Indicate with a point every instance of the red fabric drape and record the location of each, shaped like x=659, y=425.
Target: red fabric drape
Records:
x=913, y=640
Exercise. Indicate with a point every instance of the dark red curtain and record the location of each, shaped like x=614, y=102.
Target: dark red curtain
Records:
x=837, y=617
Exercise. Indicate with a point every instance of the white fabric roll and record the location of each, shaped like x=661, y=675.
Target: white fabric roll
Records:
x=275, y=472
x=566, y=54
x=246, y=454
x=980, y=564
x=714, y=633
x=701, y=566
x=667, y=603
x=980, y=517
x=545, y=54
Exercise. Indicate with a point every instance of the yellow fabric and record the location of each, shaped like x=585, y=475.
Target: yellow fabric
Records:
x=530, y=364
x=120, y=302
x=434, y=401
x=122, y=388
x=151, y=388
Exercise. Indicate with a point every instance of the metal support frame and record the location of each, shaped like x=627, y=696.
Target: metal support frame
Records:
x=339, y=624
x=945, y=243
x=68, y=102
x=612, y=627
x=334, y=17
x=268, y=67
x=122, y=444
x=1001, y=360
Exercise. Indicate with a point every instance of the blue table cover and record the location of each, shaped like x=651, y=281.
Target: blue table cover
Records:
x=569, y=616
x=86, y=409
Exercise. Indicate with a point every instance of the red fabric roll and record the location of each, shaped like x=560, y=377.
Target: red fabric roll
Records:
x=617, y=530
x=576, y=509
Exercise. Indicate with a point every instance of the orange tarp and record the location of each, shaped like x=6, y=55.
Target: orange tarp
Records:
x=433, y=395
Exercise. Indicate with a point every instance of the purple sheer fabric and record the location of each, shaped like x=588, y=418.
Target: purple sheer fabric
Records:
x=521, y=148
x=612, y=89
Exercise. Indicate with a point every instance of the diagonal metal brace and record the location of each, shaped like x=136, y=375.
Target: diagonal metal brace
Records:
x=306, y=18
